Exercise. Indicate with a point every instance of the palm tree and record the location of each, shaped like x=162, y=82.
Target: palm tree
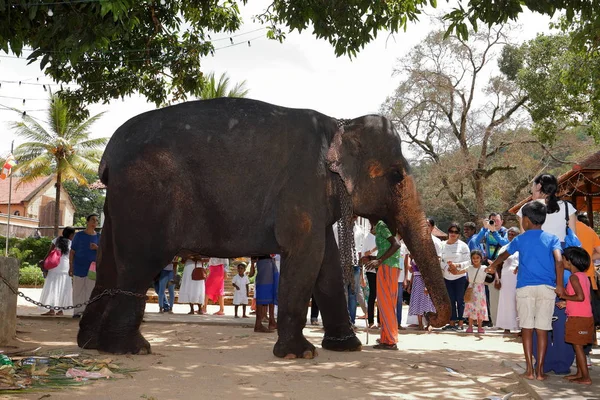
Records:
x=65, y=149
x=213, y=89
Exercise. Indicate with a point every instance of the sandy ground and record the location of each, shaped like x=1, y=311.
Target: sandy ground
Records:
x=191, y=361
x=198, y=356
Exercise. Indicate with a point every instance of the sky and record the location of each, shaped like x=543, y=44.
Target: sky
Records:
x=301, y=72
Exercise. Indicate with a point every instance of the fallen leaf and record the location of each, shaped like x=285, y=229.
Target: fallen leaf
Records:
x=40, y=371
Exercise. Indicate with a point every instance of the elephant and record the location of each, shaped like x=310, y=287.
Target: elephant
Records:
x=233, y=177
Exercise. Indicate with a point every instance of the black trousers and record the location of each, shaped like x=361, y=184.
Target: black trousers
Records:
x=372, y=281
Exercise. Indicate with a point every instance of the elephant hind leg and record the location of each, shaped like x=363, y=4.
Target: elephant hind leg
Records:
x=112, y=324
x=331, y=297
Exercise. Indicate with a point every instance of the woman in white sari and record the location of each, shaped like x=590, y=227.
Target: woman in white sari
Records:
x=507, y=302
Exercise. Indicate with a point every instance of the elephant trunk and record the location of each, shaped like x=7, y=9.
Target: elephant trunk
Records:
x=412, y=225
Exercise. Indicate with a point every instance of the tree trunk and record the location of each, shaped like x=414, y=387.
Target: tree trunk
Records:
x=57, y=204
x=478, y=182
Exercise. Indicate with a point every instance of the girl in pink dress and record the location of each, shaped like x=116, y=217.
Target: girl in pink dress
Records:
x=579, y=328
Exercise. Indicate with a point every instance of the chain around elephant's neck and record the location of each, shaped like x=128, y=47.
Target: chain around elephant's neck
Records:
x=346, y=235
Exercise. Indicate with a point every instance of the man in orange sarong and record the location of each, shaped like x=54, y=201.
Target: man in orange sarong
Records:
x=388, y=265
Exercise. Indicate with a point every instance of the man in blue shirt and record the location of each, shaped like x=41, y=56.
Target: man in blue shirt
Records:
x=490, y=240
x=469, y=229
x=83, y=252
x=492, y=236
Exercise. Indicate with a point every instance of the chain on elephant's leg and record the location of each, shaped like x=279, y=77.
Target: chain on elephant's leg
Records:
x=120, y=327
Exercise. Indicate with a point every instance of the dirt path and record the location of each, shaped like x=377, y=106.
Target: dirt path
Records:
x=192, y=361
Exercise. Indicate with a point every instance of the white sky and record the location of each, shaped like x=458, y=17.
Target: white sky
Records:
x=302, y=72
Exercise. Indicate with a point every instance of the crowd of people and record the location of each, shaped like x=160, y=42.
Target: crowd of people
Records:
x=534, y=280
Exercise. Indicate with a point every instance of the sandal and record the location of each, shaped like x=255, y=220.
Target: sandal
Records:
x=480, y=330
x=384, y=346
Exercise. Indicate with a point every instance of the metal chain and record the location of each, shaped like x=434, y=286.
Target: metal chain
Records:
x=339, y=338
x=346, y=236
x=106, y=292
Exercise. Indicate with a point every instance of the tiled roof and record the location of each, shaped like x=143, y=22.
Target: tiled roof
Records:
x=22, y=192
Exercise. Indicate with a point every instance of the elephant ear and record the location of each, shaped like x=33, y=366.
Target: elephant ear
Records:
x=341, y=157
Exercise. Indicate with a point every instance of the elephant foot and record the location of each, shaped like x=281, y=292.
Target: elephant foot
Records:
x=344, y=343
x=112, y=325
x=294, y=348
x=129, y=344
x=87, y=338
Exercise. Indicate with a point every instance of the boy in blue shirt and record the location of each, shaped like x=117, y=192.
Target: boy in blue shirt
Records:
x=539, y=277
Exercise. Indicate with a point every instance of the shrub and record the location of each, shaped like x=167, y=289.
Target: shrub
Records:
x=30, y=250
x=39, y=248
x=30, y=275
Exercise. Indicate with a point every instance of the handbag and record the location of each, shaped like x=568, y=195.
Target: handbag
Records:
x=571, y=239
x=52, y=260
x=489, y=278
x=468, y=297
x=92, y=271
x=199, y=273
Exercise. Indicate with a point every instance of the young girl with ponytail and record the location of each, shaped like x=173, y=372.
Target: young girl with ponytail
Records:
x=58, y=290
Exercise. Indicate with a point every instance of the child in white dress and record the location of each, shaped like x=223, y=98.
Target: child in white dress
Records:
x=240, y=295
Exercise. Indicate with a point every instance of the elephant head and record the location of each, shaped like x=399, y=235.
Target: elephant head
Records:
x=366, y=152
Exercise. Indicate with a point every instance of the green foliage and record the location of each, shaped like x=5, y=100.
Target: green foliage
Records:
x=12, y=242
x=29, y=250
x=214, y=89
x=349, y=27
x=87, y=201
x=81, y=221
x=31, y=275
x=581, y=16
x=20, y=255
x=511, y=61
x=155, y=48
x=114, y=48
x=561, y=83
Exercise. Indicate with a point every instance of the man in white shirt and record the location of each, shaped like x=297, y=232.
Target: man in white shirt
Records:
x=370, y=249
x=354, y=295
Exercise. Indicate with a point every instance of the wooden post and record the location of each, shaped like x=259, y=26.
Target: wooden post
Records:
x=590, y=206
x=9, y=270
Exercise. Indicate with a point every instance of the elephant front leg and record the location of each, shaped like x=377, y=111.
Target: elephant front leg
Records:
x=331, y=297
x=295, y=286
x=301, y=259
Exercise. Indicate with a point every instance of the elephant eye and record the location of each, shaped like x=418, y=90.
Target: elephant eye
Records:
x=396, y=175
